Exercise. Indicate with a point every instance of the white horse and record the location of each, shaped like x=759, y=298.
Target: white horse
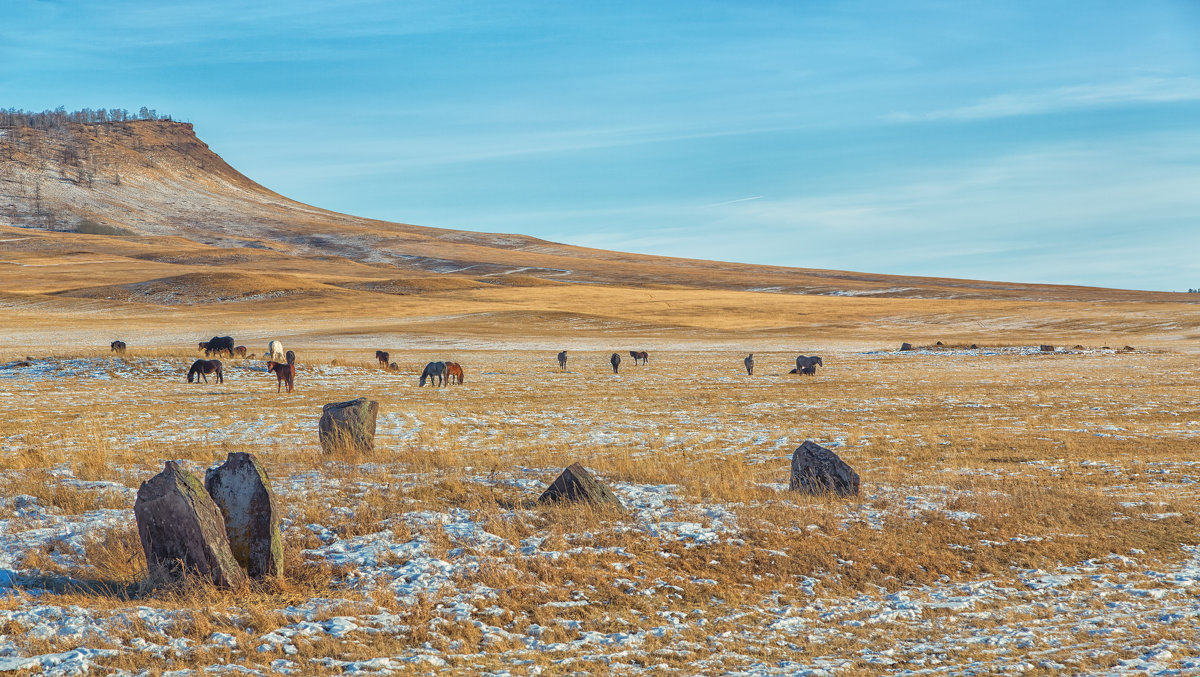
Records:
x=274, y=351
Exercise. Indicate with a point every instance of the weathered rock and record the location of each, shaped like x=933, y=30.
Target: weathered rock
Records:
x=906, y=346
x=348, y=425
x=1077, y=347
x=940, y=343
x=242, y=491
x=974, y=346
x=182, y=530
x=577, y=484
x=1047, y=349
x=817, y=470
x=1129, y=349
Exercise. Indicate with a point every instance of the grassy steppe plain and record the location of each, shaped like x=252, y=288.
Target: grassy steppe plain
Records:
x=1019, y=511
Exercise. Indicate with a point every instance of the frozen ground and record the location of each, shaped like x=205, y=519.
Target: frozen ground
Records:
x=1120, y=613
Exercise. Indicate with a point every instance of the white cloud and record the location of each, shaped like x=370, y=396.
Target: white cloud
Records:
x=1075, y=97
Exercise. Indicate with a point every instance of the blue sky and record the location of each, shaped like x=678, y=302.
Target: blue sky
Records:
x=1025, y=141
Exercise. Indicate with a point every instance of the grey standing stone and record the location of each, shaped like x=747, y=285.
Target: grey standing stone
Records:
x=241, y=489
x=817, y=470
x=906, y=346
x=348, y=425
x=577, y=484
x=182, y=530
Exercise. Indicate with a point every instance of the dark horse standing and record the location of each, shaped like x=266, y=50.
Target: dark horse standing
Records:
x=615, y=360
x=201, y=369
x=639, y=355
x=285, y=374
x=383, y=358
x=749, y=362
x=803, y=362
x=432, y=370
x=562, y=361
x=117, y=347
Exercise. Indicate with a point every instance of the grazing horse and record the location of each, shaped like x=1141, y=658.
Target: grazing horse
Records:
x=274, y=351
x=117, y=347
x=639, y=355
x=240, y=351
x=201, y=369
x=615, y=361
x=749, y=362
x=217, y=345
x=802, y=362
x=291, y=357
x=562, y=361
x=284, y=374
x=454, y=371
x=432, y=370
x=810, y=370
x=383, y=358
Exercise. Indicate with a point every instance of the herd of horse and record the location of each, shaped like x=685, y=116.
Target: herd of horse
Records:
x=283, y=364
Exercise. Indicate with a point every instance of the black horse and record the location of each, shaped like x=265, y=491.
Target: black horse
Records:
x=217, y=345
x=639, y=355
x=290, y=357
x=383, y=358
x=117, y=347
x=562, y=361
x=749, y=362
x=432, y=370
x=201, y=369
x=615, y=360
x=802, y=362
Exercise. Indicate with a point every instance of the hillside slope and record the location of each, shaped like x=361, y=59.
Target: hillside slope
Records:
x=156, y=180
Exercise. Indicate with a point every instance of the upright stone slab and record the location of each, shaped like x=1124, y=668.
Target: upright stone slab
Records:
x=242, y=491
x=348, y=425
x=182, y=530
x=906, y=346
x=817, y=470
x=577, y=484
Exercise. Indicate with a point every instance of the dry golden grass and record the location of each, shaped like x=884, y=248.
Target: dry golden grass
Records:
x=1011, y=439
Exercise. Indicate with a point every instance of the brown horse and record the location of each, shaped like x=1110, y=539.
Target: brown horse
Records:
x=240, y=351
x=285, y=374
x=201, y=369
x=454, y=371
x=639, y=355
x=383, y=358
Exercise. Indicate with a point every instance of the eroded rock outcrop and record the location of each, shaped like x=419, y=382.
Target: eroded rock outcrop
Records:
x=241, y=489
x=577, y=484
x=348, y=426
x=182, y=530
x=817, y=470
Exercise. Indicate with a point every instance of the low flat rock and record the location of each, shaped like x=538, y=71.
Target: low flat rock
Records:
x=817, y=470
x=348, y=425
x=182, y=530
x=241, y=489
x=577, y=484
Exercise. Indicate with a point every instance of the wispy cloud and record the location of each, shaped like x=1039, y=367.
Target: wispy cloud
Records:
x=733, y=202
x=1074, y=97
